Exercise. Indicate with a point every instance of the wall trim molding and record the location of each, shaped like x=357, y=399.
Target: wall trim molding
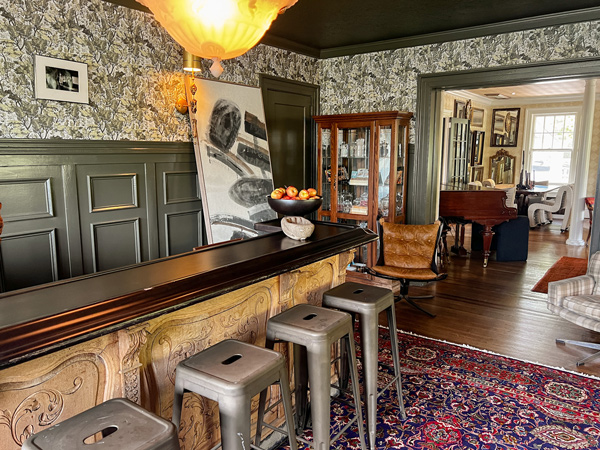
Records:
x=18, y=147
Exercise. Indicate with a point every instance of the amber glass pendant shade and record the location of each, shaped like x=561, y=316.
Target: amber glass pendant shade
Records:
x=217, y=29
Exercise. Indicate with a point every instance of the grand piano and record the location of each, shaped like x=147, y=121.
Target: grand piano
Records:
x=485, y=206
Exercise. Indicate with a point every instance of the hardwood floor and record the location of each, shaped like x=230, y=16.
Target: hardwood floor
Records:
x=494, y=308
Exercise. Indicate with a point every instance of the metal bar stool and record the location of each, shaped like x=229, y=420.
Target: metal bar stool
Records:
x=368, y=301
x=231, y=373
x=116, y=424
x=313, y=330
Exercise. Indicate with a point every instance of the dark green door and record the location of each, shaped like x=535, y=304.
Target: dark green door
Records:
x=289, y=107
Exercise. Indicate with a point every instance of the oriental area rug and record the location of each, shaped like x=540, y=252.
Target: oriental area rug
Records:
x=461, y=398
x=565, y=267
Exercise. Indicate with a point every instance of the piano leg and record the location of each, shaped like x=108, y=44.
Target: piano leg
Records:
x=459, y=240
x=487, y=234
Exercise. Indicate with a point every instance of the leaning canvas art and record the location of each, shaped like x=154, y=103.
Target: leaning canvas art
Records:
x=232, y=154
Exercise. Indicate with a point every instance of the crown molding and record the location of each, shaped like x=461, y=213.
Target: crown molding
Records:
x=582, y=15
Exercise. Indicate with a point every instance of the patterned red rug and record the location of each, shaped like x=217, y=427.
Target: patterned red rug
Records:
x=565, y=267
x=460, y=398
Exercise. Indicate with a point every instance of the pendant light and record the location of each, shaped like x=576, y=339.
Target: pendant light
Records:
x=217, y=29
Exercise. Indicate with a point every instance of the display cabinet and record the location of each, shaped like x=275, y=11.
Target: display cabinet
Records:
x=362, y=176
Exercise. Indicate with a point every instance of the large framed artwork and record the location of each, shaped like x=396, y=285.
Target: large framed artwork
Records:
x=232, y=155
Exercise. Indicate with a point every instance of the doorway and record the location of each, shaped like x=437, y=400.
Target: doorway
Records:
x=426, y=162
x=289, y=107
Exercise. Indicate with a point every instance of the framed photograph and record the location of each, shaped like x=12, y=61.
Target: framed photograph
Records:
x=62, y=80
x=459, y=109
x=477, y=116
x=477, y=173
x=505, y=127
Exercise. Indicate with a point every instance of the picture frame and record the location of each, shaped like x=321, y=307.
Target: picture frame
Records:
x=477, y=117
x=60, y=80
x=477, y=173
x=477, y=141
x=505, y=127
x=459, y=109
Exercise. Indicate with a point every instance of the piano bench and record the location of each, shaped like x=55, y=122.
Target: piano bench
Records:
x=511, y=239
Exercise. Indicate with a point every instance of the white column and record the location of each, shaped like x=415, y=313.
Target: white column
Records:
x=582, y=165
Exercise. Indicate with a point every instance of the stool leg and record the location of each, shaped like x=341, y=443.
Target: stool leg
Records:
x=234, y=414
x=319, y=374
x=391, y=315
x=287, y=408
x=355, y=389
x=177, y=402
x=343, y=364
x=301, y=387
x=270, y=344
x=370, y=358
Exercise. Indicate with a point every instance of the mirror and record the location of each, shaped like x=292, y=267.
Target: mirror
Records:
x=502, y=167
x=505, y=127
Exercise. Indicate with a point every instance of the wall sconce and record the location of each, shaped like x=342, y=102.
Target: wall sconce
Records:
x=217, y=29
x=191, y=64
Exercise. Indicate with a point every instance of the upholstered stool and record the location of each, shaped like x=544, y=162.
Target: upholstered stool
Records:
x=368, y=301
x=116, y=424
x=313, y=330
x=231, y=373
x=510, y=240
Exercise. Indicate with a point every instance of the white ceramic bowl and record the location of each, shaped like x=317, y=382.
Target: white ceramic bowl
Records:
x=297, y=227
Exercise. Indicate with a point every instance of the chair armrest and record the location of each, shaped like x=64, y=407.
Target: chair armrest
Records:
x=581, y=285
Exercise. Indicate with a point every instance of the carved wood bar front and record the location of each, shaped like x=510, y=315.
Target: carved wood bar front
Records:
x=138, y=360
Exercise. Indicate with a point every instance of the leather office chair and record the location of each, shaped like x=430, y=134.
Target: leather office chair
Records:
x=409, y=254
x=541, y=213
x=577, y=299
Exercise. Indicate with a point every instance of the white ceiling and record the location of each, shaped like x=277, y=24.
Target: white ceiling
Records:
x=560, y=88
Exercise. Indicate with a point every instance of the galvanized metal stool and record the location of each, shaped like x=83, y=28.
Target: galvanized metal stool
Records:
x=116, y=424
x=368, y=301
x=231, y=373
x=313, y=330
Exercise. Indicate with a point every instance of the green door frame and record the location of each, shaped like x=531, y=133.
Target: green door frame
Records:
x=425, y=163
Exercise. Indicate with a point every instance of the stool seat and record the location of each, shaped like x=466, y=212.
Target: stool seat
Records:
x=123, y=425
x=367, y=302
x=297, y=325
x=358, y=298
x=231, y=368
x=231, y=372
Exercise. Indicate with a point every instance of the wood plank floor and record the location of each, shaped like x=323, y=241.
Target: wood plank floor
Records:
x=494, y=308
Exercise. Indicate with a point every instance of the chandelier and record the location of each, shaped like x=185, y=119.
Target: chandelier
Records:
x=217, y=29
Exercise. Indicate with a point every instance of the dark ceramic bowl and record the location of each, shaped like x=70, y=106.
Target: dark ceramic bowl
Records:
x=295, y=207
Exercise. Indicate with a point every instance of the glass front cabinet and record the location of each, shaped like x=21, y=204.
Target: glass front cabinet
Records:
x=362, y=176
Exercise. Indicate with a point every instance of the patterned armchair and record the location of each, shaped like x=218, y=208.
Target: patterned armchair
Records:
x=578, y=300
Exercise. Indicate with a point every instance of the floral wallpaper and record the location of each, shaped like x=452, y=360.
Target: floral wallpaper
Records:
x=135, y=77
x=387, y=80
x=134, y=71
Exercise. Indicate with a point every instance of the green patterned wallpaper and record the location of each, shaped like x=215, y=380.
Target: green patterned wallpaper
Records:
x=135, y=75
x=134, y=71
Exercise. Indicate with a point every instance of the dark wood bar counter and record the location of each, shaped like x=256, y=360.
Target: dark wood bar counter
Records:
x=73, y=344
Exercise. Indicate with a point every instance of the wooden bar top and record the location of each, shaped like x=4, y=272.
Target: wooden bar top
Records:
x=45, y=318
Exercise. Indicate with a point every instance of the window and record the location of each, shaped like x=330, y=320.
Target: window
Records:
x=552, y=145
